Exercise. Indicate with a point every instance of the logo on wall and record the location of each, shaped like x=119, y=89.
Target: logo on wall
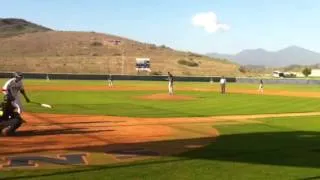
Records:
x=35, y=161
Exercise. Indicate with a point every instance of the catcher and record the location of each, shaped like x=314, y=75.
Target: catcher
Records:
x=10, y=119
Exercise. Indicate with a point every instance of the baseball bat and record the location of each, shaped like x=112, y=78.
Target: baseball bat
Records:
x=42, y=104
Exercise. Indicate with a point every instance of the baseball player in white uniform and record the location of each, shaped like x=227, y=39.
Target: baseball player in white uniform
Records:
x=261, y=86
x=223, y=82
x=110, y=81
x=170, y=83
x=12, y=88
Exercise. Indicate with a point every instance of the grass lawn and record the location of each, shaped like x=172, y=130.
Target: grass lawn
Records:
x=126, y=103
x=282, y=87
x=279, y=148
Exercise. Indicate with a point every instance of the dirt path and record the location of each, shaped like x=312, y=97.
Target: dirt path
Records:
x=49, y=132
x=45, y=132
x=56, y=133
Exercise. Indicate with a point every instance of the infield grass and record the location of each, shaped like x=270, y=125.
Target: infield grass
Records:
x=127, y=103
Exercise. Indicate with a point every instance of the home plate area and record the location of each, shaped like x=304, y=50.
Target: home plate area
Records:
x=50, y=141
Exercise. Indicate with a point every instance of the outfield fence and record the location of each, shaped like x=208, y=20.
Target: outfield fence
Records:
x=278, y=81
x=65, y=76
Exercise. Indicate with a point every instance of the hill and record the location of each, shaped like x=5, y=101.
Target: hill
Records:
x=284, y=57
x=90, y=52
x=12, y=27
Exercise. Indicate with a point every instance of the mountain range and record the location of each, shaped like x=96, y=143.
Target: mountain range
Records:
x=284, y=57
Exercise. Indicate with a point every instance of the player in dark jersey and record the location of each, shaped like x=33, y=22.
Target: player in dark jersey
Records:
x=10, y=120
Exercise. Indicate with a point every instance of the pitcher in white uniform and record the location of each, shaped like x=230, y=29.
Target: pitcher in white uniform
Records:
x=260, y=86
x=170, y=83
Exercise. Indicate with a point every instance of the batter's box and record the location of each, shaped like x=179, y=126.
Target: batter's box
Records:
x=123, y=154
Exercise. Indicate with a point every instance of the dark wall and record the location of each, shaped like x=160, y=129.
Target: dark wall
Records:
x=115, y=77
x=278, y=81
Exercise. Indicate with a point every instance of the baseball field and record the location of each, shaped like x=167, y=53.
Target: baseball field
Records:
x=134, y=130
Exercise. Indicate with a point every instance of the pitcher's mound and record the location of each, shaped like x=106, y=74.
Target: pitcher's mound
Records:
x=167, y=97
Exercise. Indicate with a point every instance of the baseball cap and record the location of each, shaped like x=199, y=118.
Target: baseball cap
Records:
x=18, y=74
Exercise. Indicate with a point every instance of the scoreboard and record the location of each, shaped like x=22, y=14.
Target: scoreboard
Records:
x=143, y=64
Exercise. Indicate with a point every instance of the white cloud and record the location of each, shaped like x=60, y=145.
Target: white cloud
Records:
x=209, y=21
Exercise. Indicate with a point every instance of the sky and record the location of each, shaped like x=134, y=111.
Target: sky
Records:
x=203, y=26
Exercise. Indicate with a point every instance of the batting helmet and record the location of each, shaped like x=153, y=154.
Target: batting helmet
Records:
x=17, y=74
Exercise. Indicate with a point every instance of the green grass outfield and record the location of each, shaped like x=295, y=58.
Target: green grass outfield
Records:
x=277, y=148
x=284, y=87
x=125, y=103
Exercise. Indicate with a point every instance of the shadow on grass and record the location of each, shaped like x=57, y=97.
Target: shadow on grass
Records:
x=295, y=149
x=311, y=178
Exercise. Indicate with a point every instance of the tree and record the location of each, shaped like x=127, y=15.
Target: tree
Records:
x=242, y=69
x=306, y=72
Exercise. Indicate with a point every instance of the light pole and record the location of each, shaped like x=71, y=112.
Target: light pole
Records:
x=117, y=42
x=122, y=57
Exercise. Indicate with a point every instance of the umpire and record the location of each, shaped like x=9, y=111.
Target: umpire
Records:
x=223, y=82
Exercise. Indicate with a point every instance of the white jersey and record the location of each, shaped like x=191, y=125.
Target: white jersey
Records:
x=12, y=86
x=222, y=81
x=170, y=80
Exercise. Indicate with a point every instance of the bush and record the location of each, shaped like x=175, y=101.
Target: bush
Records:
x=152, y=46
x=242, y=69
x=116, y=54
x=290, y=75
x=157, y=73
x=191, y=54
x=20, y=27
x=96, y=43
x=188, y=63
x=187, y=73
x=306, y=72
